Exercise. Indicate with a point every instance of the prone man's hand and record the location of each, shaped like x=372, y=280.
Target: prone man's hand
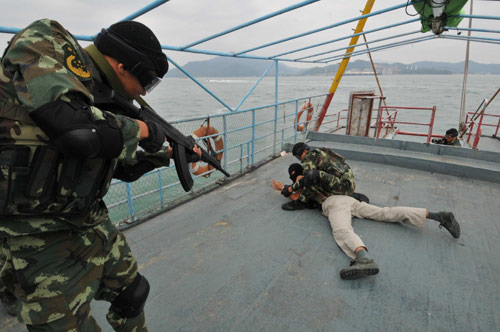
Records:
x=278, y=185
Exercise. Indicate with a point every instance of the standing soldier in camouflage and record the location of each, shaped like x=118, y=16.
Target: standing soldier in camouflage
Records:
x=340, y=208
x=59, y=150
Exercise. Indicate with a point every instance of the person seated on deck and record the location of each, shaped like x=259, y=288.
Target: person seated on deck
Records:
x=451, y=138
x=340, y=208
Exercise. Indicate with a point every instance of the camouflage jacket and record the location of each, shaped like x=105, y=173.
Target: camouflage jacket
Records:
x=44, y=63
x=324, y=160
x=313, y=193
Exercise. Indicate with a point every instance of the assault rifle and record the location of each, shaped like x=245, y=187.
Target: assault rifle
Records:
x=180, y=143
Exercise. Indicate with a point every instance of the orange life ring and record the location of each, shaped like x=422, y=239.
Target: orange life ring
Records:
x=199, y=168
x=310, y=110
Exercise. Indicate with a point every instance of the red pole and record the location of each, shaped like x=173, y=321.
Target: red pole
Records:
x=478, y=132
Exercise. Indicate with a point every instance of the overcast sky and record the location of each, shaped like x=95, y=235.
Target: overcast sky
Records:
x=180, y=22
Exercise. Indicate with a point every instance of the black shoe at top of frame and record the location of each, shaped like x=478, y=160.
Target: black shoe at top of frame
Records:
x=293, y=205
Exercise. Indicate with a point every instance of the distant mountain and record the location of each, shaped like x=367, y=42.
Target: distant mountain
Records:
x=234, y=67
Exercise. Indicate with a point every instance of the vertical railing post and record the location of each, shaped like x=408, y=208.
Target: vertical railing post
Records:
x=248, y=154
x=294, y=124
x=160, y=187
x=379, y=123
x=379, y=113
x=241, y=158
x=224, y=128
x=130, y=202
x=498, y=126
x=479, y=130
x=470, y=131
x=275, y=106
x=253, y=137
x=282, y=138
x=431, y=125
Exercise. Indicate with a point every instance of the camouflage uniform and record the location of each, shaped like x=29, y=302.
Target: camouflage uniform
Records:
x=336, y=177
x=59, y=262
x=331, y=192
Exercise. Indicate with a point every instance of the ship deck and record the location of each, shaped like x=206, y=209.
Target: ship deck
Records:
x=233, y=260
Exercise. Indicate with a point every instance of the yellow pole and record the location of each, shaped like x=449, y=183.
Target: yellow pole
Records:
x=344, y=63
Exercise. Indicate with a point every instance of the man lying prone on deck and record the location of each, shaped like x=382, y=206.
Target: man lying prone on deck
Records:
x=316, y=186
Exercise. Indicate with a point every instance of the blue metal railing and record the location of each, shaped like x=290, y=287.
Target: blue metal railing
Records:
x=249, y=144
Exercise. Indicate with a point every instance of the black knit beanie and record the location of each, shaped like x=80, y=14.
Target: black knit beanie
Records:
x=139, y=37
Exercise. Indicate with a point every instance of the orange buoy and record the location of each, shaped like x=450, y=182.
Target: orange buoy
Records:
x=199, y=168
x=310, y=111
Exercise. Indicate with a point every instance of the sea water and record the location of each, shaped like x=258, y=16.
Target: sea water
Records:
x=179, y=98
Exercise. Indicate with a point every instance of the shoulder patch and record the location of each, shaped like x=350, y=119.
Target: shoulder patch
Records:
x=73, y=63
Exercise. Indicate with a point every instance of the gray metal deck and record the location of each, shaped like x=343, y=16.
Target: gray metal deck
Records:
x=232, y=260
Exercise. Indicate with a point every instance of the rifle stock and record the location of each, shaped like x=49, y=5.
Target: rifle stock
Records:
x=180, y=143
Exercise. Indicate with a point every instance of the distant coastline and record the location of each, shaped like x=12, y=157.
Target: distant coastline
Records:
x=233, y=67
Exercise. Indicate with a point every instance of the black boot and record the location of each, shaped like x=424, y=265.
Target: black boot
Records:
x=293, y=205
x=9, y=302
x=359, y=268
x=448, y=221
x=360, y=197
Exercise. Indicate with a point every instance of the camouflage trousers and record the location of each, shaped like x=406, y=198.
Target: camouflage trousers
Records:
x=56, y=275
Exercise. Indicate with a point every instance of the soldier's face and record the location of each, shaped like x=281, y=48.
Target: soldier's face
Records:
x=450, y=138
x=130, y=83
x=303, y=155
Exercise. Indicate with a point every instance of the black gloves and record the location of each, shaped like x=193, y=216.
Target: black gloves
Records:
x=285, y=192
x=311, y=178
x=155, y=140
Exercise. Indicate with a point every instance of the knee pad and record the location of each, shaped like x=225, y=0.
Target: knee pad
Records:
x=132, y=299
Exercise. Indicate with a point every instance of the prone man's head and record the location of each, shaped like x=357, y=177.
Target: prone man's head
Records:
x=294, y=170
x=137, y=50
x=299, y=149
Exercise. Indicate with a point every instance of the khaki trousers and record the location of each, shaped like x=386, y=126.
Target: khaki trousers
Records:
x=339, y=209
